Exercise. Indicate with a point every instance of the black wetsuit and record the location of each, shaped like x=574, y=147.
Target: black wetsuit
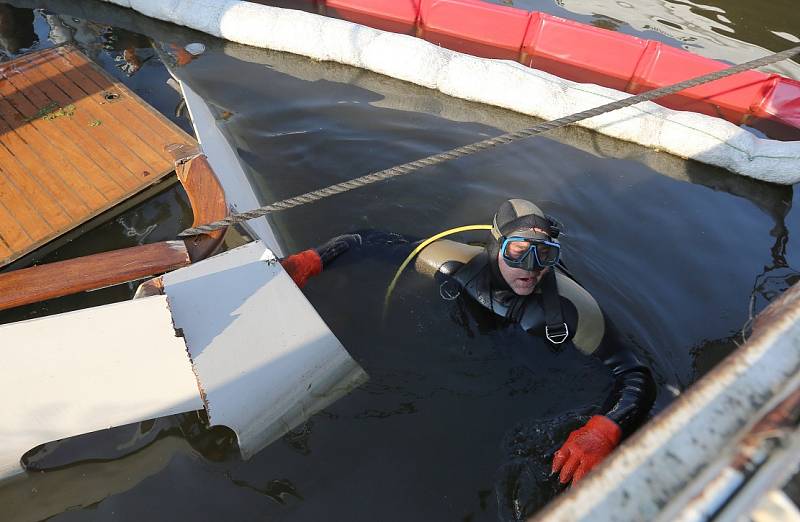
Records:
x=589, y=330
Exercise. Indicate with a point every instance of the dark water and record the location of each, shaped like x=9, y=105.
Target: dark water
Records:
x=454, y=422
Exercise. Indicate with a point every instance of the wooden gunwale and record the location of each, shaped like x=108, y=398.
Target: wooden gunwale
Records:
x=43, y=282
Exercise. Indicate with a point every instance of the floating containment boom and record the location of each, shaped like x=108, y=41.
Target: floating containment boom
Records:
x=502, y=83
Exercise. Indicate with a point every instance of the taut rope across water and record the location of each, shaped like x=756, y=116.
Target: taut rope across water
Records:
x=466, y=150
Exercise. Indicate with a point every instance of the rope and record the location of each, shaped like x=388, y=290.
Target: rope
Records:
x=473, y=148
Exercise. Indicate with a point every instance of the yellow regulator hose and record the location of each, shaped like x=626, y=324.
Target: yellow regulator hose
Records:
x=417, y=250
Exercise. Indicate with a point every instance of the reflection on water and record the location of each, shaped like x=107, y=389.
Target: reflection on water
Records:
x=460, y=418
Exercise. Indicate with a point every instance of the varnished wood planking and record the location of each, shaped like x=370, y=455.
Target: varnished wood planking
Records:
x=56, y=191
x=149, y=117
x=138, y=138
x=25, y=218
x=41, y=93
x=108, y=150
x=15, y=107
x=80, y=167
x=58, y=173
x=129, y=149
x=15, y=237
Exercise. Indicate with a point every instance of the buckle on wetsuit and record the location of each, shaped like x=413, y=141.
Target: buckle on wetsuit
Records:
x=558, y=336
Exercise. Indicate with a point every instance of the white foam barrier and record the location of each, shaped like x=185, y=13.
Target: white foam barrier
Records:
x=500, y=83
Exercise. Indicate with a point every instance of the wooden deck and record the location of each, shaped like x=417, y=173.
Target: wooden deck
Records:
x=73, y=144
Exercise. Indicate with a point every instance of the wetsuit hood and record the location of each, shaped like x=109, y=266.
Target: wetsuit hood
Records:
x=520, y=214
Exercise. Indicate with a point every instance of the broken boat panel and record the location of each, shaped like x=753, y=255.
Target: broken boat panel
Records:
x=262, y=356
x=76, y=372
x=260, y=359
x=223, y=159
x=264, y=359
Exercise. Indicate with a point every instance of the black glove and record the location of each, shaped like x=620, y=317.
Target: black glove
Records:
x=337, y=246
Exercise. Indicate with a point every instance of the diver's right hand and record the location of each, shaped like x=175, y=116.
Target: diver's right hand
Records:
x=585, y=448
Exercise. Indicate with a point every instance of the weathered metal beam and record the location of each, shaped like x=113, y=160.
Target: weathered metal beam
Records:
x=747, y=468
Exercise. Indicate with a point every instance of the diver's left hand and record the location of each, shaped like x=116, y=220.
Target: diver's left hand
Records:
x=585, y=448
x=337, y=246
x=308, y=263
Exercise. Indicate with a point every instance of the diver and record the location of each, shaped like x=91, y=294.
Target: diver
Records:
x=518, y=276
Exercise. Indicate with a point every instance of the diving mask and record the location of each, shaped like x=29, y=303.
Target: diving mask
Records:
x=530, y=253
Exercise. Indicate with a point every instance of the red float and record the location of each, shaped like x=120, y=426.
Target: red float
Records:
x=586, y=54
x=397, y=16
x=476, y=28
x=602, y=57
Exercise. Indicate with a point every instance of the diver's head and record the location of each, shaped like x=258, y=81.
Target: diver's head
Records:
x=525, y=240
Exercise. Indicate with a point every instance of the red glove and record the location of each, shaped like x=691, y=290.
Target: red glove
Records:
x=302, y=265
x=310, y=262
x=585, y=448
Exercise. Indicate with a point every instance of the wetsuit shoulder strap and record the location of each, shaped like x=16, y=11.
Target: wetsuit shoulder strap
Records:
x=555, y=329
x=589, y=329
